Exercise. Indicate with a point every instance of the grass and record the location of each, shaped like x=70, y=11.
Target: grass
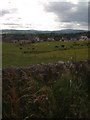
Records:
x=43, y=52
x=46, y=92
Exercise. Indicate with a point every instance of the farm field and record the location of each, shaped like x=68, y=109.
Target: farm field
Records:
x=43, y=52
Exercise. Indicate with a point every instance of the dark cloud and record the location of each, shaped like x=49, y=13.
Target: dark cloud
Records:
x=4, y=12
x=69, y=12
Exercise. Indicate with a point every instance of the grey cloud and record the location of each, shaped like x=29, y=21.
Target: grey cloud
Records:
x=68, y=12
x=4, y=12
x=73, y=25
x=10, y=24
x=16, y=25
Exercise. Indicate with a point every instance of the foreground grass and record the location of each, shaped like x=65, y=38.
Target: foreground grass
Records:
x=43, y=52
x=47, y=91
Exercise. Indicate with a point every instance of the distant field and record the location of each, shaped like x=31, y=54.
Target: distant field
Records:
x=43, y=52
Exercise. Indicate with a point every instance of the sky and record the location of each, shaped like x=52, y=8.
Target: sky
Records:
x=44, y=14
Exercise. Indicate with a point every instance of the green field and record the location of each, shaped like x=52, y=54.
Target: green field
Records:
x=43, y=52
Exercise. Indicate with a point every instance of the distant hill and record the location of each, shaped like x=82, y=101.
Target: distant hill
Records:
x=65, y=31
x=70, y=31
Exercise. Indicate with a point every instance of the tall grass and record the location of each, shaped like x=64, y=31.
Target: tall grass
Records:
x=59, y=90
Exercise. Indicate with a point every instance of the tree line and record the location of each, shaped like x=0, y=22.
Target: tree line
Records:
x=44, y=36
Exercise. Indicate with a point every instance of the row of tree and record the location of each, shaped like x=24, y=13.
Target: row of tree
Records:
x=42, y=36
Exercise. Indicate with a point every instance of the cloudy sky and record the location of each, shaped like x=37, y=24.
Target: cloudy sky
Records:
x=44, y=14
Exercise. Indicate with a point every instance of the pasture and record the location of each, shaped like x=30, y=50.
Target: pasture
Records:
x=17, y=55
